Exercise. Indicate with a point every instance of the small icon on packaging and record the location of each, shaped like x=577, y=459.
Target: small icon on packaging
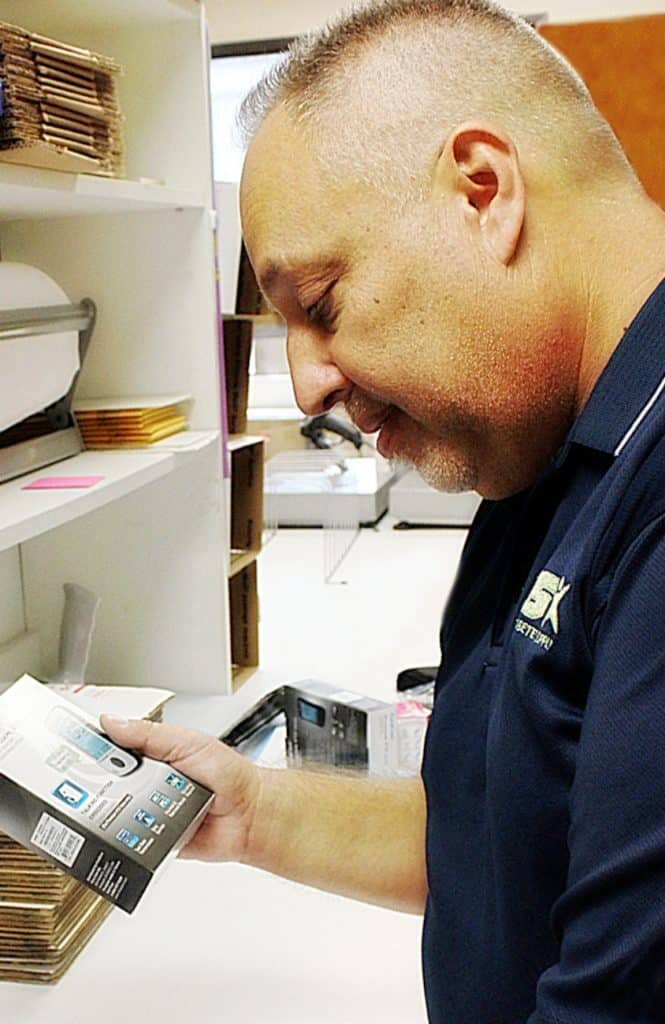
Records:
x=160, y=799
x=144, y=818
x=129, y=839
x=70, y=793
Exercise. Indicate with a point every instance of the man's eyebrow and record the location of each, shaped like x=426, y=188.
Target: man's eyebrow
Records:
x=302, y=270
x=269, y=276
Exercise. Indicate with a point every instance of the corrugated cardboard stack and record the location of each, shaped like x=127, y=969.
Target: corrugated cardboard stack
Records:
x=46, y=918
x=58, y=105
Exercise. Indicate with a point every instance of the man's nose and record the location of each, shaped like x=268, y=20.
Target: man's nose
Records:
x=318, y=382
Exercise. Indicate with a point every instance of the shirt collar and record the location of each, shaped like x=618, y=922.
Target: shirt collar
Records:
x=629, y=386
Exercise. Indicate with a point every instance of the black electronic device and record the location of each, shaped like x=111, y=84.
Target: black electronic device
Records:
x=318, y=430
x=409, y=678
x=258, y=717
x=324, y=725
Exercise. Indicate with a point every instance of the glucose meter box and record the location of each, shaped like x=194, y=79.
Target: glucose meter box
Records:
x=107, y=816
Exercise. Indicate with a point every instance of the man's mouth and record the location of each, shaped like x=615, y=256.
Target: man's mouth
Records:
x=381, y=421
x=387, y=439
x=369, y=424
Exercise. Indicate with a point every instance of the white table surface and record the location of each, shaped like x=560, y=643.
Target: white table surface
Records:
x=223, y=942
x=214, y=943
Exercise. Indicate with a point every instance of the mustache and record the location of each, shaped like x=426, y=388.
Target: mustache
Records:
x=361, y=406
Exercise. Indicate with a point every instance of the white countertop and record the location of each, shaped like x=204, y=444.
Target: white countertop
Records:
x=215, y=943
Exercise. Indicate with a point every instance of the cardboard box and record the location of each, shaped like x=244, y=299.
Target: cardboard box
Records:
x=244, y=618
x=108, y=817
x=237, y=349
x=246, y=494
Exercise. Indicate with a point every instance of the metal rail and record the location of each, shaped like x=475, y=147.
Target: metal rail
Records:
x=26, y=323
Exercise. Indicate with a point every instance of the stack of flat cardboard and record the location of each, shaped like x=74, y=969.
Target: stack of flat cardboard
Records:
x=46, y=917
x=59, y=106
x=130, y=422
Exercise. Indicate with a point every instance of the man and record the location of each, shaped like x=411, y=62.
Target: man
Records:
x=458, y=247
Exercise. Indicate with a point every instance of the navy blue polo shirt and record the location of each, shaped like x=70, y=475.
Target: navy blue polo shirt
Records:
x=544, y=765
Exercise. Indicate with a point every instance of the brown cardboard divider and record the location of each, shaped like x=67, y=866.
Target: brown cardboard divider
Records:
x=244, y=619
x=237, y=348
x=246, y=496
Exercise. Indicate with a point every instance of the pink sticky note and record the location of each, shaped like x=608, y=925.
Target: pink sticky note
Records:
x=60, y=483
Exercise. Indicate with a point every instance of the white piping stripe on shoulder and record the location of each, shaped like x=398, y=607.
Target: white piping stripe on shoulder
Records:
x=638, y=419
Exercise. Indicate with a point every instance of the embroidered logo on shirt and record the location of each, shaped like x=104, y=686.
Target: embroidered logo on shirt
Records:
x=542, y=605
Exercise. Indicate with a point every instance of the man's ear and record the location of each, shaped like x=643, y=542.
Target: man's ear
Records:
x=479, y=164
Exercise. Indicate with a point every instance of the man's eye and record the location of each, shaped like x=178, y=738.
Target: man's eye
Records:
x=321, y=313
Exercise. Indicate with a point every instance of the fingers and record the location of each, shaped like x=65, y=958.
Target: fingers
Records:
x=163, y=742
x=198, y=755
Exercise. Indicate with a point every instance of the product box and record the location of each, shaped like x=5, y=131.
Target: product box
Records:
x=107, y=816
x=331, y=726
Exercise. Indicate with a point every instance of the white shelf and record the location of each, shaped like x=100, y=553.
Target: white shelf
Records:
x=183, y=444
x=237, y=441
x=27, y=192
x=26, y=514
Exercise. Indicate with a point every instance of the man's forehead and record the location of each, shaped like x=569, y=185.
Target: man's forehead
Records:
x=296, y=216
x=287, y=238
x=280, y=160
x=280, y=190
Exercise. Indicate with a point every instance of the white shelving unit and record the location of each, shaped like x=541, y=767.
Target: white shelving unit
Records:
x=152, y=537
x=28, y=513
x=59, y=194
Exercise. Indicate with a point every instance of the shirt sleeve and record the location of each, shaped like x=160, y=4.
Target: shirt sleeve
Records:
x=610, y=921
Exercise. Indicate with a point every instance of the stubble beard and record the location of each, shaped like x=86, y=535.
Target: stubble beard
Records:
x=438, y=467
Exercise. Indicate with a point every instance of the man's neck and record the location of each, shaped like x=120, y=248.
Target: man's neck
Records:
x=632, y=266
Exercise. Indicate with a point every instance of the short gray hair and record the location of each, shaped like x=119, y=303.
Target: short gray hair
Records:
x=542, y=89
x=311, y=59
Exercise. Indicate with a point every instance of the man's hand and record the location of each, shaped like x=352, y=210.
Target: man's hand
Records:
x=363, y=838
x=224, y=833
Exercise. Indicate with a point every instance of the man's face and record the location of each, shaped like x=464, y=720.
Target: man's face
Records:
x=389, y=309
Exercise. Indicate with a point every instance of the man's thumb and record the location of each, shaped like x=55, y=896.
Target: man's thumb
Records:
x=163, y=742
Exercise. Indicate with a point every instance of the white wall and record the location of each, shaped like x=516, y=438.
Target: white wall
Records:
x=234, y=20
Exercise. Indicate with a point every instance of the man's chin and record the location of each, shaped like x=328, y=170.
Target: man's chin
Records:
x=439, y=470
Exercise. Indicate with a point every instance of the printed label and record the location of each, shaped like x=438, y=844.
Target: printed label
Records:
x=55, y=838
